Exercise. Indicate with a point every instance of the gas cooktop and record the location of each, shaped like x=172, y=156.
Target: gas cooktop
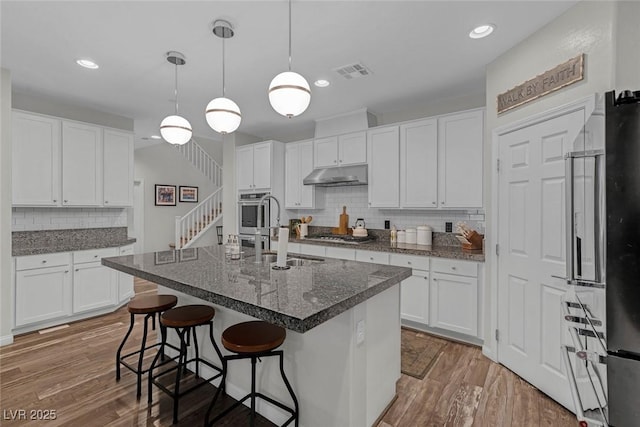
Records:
x=340, y=238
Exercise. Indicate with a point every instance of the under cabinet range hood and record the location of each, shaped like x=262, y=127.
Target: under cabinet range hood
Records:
x=338, y=176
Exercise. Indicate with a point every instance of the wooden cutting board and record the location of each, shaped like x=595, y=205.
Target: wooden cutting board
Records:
x=343, y=226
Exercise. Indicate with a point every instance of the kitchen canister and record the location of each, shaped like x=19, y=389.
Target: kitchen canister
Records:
x=412, y=236
x=424, y=235
x=401, y=236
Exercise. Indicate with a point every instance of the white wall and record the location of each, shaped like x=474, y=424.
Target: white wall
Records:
x=6, y=300
x=588, y=27
x=434, y=108
x=627, y=46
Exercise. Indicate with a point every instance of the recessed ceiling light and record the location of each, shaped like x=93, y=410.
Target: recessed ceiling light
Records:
x=322, y=83
x=87, y=63
x=155, y=137
x=482, y=31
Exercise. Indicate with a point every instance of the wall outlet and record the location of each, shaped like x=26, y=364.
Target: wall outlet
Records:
x=448, y=227
x=360, y=332
x=387, y=224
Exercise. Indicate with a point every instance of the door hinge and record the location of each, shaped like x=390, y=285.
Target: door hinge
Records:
x=498, y=165
x=497, y=249
x=497, y=335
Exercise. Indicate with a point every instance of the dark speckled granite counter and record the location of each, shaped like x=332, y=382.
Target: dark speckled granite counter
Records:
x=51, y=241
x=298, y=299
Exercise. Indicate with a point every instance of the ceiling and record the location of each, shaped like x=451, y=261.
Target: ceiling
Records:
x=418, y=52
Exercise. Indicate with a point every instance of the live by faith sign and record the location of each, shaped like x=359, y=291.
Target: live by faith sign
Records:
x=560, y=76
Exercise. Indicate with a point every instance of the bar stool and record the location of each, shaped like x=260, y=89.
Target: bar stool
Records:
x=184, y=321
x=149, y=306
x=253, y=340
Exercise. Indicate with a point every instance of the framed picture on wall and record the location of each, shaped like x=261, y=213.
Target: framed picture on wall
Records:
x=188, y=194
x=165, y=195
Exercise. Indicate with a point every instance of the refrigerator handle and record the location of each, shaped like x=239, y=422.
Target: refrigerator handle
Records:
x=569, y=209
x=599, y=218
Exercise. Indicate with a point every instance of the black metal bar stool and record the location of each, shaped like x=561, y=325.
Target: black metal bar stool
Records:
x=149, y=305
x=184, y=321
x=253, y=340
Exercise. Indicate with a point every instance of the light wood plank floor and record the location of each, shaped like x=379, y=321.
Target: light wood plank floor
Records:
x=71, y=370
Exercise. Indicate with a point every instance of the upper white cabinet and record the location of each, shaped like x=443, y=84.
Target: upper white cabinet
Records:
x=81, y=165
x=299, y=164
x=253, y=166
x=419, y=164
x=118, y=168
x=383, y=155
x=36, y=160
x=342, y=150
x=460, y=154
x=63, y=163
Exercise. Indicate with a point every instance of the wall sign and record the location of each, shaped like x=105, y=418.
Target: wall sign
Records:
x=558, y=77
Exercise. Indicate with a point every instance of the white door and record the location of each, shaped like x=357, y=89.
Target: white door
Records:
x=352, y=148
x=419, y=164
x=305, y=161
x=325, y=152
x=414, y=297
x=81, y=165
x=36, y=160
x=118, y=168
x=244, y=168
x=383, y=152
x=262, y=165
x=531, y=215
x=94, y=286
x=292, y=180
x=42, y=294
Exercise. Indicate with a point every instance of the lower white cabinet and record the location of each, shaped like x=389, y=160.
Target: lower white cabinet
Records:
x=341, y=253
x=313, y=250
x=414, y=297
x=43, y=294
x=94, y=286
x=125, y=281
x=454, y=303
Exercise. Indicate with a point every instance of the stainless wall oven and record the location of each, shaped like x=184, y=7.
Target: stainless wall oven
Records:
x=248, y=218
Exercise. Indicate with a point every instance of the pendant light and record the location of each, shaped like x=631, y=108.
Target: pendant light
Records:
x=289, y=92
x=222, y=114
x=176, y=129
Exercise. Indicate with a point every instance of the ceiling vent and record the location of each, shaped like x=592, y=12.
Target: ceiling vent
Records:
x=353, y=71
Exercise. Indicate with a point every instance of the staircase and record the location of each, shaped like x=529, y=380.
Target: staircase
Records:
x=208, y=212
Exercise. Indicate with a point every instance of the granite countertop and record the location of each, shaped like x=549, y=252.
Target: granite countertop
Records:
x=298, y=299
x=51, y=241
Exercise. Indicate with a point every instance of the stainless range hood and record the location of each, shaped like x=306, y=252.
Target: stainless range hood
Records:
x=339, y=176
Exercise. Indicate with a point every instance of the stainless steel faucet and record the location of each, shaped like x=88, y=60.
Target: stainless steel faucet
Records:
x=259, y=227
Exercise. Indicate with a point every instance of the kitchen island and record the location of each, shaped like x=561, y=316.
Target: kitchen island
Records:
x=342, y=351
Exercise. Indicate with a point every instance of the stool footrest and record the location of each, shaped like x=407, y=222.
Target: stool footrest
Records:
x=124, y=363
x=173, y=368
x=248, y=396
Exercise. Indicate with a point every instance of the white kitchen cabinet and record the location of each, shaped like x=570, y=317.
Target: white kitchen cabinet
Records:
x=419, y=164
x=414, y=297
x=313, y=250
x=118, y=168
x=372, y=257
x=341, y=253
x=299, y=164
x=125, y=281
x=42, y=288
x=253, y=166
x=383, y=154
x=341, y=150
x=35, y=160
x=460, y=154
x=81, y=164
x=454, y=303
x=94, y=285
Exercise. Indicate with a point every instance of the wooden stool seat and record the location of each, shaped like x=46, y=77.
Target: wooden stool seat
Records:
x=253, y=337
x=151, y=304
x=187, y=316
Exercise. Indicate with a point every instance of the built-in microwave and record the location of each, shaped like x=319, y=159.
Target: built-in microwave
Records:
x=249, y=241
x=248, y=213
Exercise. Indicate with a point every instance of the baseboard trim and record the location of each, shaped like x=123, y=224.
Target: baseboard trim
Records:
x=6, y=340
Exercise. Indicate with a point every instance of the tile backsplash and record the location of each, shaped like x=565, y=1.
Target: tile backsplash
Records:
x=30, y=219
x=356, y=198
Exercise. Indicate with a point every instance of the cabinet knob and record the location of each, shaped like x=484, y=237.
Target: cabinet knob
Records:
x=77, y=269
x=435, y=280
x=65, y=201
x=95, y=256
x=106, y=201
x=442, y=203
x=433, y=203
x=340, y=160
x=55, y=201
x=409, y=262
x=66, y=271
x=425, y=278
x=335, y=161
x=453, y=268
x=371, y=258
x=44, y=261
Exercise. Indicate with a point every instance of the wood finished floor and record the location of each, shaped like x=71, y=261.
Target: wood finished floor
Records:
x=71, y=370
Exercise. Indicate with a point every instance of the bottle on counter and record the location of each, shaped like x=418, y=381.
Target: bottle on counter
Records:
x=235, y=248
x=393, y=235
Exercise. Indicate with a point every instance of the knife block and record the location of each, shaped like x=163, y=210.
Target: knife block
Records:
x=474, y=242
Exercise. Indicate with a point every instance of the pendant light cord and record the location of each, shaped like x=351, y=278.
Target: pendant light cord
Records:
x=176, y=86
x=223, y=67
x=289, y=35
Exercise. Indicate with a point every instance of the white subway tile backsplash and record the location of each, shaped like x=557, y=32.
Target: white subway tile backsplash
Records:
x=28, y=219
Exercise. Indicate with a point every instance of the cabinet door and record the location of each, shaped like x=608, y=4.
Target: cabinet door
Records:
x=419, y=164
x=262, y=165
x=244, y=168
x=414, y=297
x=292, y=180
x=383, y=151
x=42, y=294
x=305, y=161
x=125, y=281
x=35, y=160
x=352, y=148
x=454, y=303
x=118, y=168
x=81, y=165
x=325, y=152
x=460, y=160
x=94, y=286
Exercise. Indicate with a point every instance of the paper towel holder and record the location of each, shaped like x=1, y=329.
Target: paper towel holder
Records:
x=276, y=267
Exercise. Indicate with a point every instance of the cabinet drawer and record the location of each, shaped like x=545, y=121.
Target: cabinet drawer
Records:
x=92, y=255
x=374, y=257
x=341, y=253
x=125, y=250
x=462, y=268
x=312, y=250
x=44, y=260
x=412, y=261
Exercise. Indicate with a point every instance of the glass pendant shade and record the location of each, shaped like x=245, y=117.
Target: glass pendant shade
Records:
x=176, y=130
x=289, y=94
x=223, y=115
